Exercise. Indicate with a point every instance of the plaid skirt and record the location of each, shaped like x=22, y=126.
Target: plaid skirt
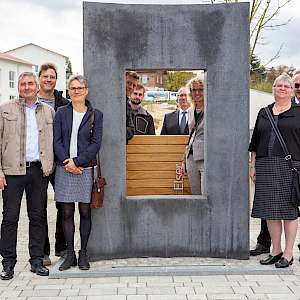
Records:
x=272, y=198
x=73, y=187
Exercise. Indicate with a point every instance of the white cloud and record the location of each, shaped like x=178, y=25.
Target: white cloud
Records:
x=57, y=25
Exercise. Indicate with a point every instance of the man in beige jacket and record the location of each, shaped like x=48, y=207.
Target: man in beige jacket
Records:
x=26, y=158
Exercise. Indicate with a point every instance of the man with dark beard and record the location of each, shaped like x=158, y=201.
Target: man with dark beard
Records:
x=143, y=121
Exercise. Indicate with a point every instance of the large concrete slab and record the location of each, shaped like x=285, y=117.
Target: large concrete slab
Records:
x=211, y=37
x=182, y=266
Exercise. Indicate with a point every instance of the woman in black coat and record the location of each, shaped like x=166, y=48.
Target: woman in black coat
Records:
x=272, y=174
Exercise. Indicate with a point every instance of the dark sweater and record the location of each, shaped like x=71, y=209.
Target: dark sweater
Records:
x=289, y=126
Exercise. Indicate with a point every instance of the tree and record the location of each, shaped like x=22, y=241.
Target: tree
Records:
x=177, y=79
x=257, y=70
x=69, y=71
x=262, y=17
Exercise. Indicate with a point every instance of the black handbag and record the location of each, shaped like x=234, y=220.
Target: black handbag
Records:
x=295, y=186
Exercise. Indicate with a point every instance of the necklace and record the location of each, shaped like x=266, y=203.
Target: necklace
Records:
x=283, y=108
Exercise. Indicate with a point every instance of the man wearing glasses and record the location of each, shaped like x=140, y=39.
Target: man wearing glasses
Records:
x=296, y=81
x=176, y=122
x=26, y=131
x=49, y=95
x=143, y=121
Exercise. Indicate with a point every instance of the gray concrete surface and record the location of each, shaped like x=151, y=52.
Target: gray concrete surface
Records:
x=214, y=38
x=28, y=286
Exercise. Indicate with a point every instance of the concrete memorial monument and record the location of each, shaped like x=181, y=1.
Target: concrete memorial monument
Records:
x=214, y=38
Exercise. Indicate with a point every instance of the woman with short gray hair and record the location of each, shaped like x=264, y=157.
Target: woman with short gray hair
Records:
x=77, y=140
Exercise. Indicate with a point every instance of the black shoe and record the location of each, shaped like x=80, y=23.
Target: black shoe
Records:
x=39, y=270
x=83, y=260
x=46, y=260
x=270, y=259
x=61, y=253
x=7, y=273
x=284, y=263
x=70, y=261
x=259, y=249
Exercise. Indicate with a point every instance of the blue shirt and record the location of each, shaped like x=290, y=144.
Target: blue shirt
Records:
x=32, y=134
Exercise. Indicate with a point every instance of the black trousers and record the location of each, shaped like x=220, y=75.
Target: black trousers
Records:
x=60, y=242
x=35, y=186
x=264, y=237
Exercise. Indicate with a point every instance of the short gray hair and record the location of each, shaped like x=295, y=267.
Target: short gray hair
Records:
x=79, y=78
x=285, y=78
x=30, y=74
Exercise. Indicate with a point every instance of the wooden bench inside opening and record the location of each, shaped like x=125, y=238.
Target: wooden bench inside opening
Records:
x=151, y=164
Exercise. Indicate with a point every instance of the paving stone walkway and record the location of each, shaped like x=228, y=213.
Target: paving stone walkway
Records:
x=259, y=285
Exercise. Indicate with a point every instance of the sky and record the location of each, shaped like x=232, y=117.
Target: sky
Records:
x=57, y=26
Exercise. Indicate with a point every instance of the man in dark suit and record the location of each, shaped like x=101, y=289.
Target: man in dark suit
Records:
x=296, y=98
x=296, y=81
x=176, y=123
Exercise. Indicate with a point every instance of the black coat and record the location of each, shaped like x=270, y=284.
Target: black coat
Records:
x=289, y=126
x=171, y=124
x=88, y=142
x=59, y=100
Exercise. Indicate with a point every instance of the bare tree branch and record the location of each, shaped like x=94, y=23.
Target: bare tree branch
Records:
x=277, y=55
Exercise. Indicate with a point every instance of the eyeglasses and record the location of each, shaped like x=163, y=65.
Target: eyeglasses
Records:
x=78, y=88
x=51, y=77
x=197, y=90
x=297, y=85
x=182, y=95
x=283, y=86
x=137, y=94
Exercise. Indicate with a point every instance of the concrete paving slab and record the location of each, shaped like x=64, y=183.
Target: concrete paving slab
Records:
x=183, y=266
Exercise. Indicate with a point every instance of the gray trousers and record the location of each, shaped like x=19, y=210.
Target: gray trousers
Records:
x=195, y=171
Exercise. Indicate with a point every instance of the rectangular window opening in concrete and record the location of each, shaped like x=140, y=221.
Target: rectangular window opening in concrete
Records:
x=161, y=102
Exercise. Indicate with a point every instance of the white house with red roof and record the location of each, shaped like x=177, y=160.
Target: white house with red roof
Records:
x=39, y=55
x=10, y=69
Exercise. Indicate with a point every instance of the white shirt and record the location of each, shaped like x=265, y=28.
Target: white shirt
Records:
x=32, y=134
x=77, y=118
x=181, y=114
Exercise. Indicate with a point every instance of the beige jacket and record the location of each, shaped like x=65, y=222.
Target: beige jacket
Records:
x=197, y=138
x=13, y=137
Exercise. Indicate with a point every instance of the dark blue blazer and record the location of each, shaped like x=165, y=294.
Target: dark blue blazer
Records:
x=88, y=141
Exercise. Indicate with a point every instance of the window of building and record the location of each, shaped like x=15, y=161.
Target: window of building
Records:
x=144, y=79
x=12, y=79
x=12, y=97
x=35, y=68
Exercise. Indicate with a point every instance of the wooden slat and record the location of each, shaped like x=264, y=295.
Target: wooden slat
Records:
x=158, y=140
x=162, y=157
x=150, y=174
x=152, y=166
x=155, y=191
x=156, y=149
x=153, y=183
